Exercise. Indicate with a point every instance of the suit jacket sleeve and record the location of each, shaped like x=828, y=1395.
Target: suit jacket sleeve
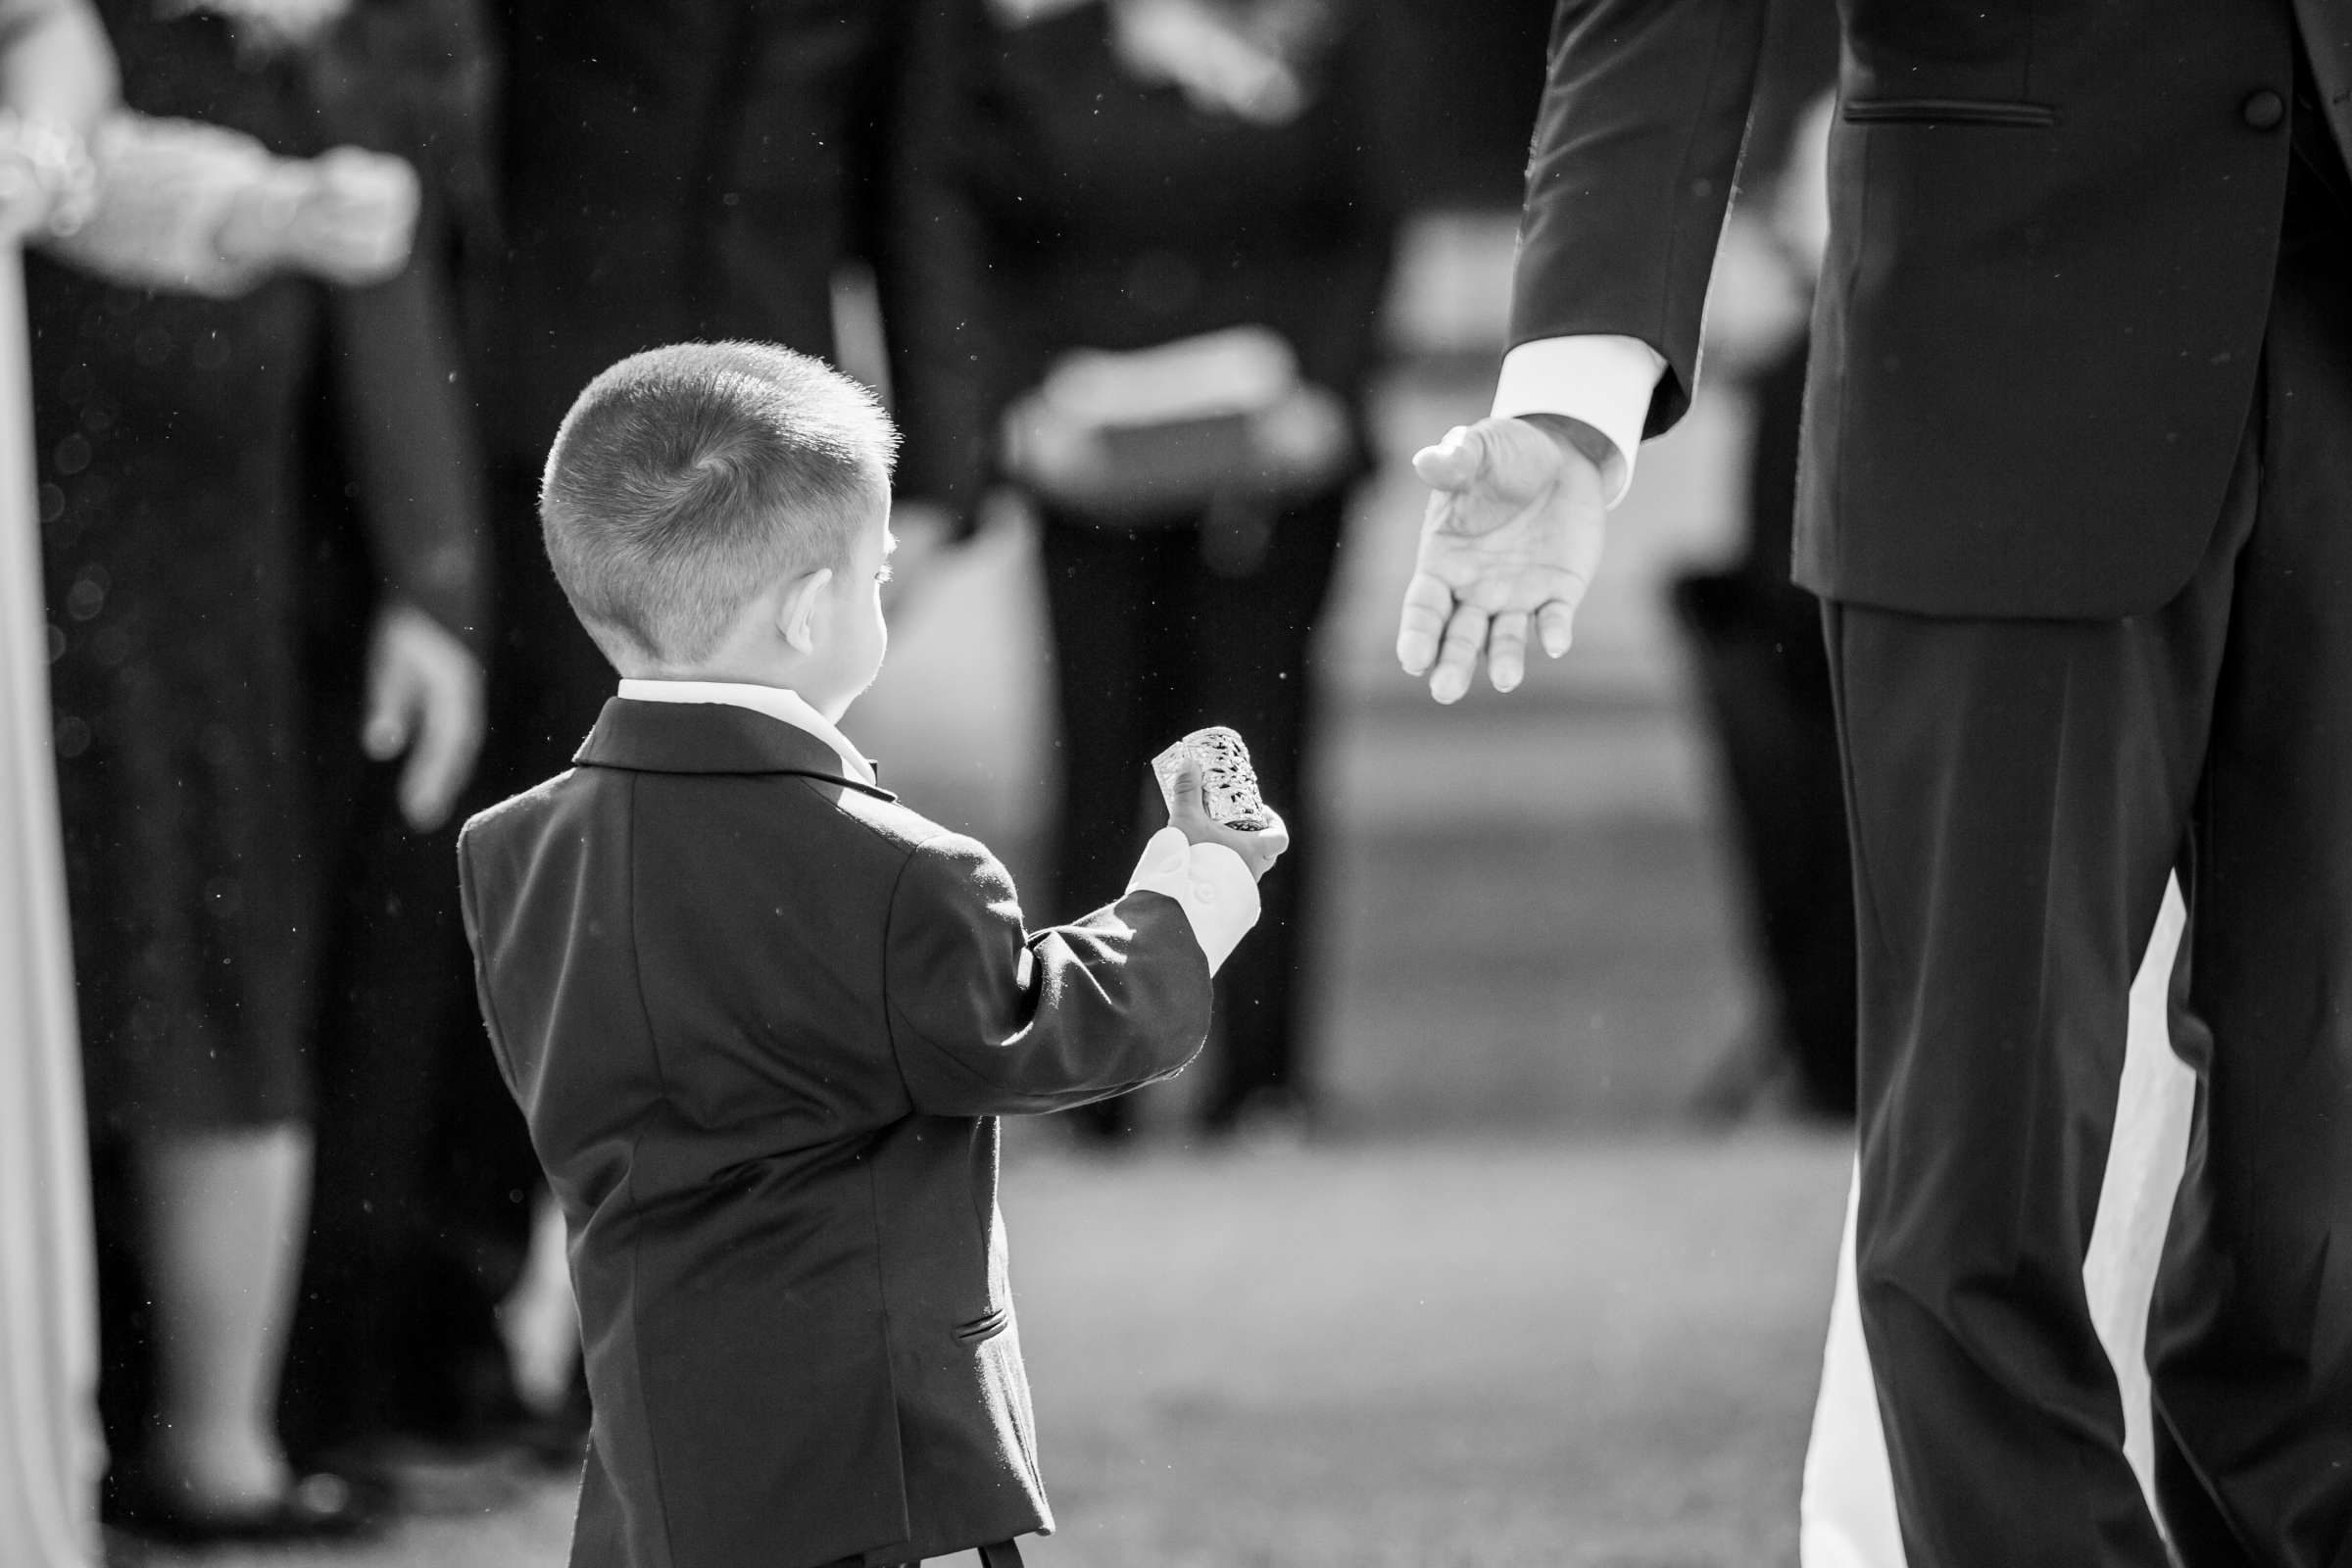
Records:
x=1636, y=147
x=1108, y=1003
x=468, y=897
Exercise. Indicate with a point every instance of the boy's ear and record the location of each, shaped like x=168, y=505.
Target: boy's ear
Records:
x=802, y=616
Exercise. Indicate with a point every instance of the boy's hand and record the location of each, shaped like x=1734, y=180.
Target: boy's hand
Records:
x=1258, y=851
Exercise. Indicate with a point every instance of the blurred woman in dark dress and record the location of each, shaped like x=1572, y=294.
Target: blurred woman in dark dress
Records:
x=169, y=431
x=1190, y=208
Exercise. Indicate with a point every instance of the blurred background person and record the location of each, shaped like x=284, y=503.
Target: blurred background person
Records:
x=414, y=1236
x=1762, y=674
x=169, y=427
x=1189, y=209
x=704, y=170
x=55, y=77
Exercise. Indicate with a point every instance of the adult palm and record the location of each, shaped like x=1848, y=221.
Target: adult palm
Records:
x=1510, y=541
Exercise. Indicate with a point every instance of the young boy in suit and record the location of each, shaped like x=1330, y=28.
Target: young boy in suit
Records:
x=762, y=1017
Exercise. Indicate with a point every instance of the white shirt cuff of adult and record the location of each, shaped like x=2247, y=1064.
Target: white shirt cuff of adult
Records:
x=1604, y=380
x=1210, y=883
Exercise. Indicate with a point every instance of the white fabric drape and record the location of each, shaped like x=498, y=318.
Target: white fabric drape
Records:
x=50, y=1452
x=1848, y=1516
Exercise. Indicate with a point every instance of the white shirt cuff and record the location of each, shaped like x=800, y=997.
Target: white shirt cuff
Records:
x=1605, y=382
x=1210, y=883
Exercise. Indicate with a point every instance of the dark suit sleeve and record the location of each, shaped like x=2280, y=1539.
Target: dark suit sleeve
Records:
x=1110, y=1003
x=1637, y=146
x=469, y=900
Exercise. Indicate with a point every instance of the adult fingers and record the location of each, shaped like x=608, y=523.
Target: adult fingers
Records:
x=1453, y=462
x=1421, y=622
x=1506, y=650
x=1458, y=656
x=1555, y=624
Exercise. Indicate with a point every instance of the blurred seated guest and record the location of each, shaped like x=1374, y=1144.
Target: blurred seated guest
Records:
x=1189, y=212
x=169, y=425
x=57, y=77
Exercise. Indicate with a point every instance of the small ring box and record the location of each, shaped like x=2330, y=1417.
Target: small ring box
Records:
x=1228, y=783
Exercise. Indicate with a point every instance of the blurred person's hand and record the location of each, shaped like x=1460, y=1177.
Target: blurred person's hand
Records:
x=1510, y=541
x=27, y=190
x=1258, y=850
x=925, y=531
x=424, y=697
x=347, y=216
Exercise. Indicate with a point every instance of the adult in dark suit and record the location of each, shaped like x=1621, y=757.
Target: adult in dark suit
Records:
x=2073, y=490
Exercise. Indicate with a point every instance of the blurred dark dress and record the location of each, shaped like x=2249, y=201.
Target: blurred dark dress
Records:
x=167, y=427
x=174, y=436
x=1120, y=217
x=171, y=431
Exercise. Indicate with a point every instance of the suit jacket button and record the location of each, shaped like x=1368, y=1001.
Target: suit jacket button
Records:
x=2264, y=110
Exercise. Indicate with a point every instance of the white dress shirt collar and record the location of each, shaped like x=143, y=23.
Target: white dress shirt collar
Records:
x=778, y=702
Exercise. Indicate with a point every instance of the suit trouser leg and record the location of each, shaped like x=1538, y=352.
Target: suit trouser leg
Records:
x=2250, y=1336
x=2019, y=791
x=2018, y=794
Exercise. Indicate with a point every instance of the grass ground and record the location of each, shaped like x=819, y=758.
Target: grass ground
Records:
x=1428, y=1355
x=1454, y=1353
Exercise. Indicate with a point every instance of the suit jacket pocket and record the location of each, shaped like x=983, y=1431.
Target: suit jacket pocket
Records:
x=1948, y=112
x=982, y=1328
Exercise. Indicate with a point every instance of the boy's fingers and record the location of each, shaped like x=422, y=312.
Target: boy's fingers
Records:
x=1186, y=791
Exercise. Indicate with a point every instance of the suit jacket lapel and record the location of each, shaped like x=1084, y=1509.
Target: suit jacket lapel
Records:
x=708, y=738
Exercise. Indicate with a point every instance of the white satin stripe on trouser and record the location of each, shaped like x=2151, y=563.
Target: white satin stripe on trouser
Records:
x=1848, y=1511
x=50, y=1452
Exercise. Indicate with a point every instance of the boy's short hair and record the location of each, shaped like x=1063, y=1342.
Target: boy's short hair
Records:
x=686, y=479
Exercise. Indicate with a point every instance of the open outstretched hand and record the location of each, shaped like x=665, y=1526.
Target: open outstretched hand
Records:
x=1510, y=541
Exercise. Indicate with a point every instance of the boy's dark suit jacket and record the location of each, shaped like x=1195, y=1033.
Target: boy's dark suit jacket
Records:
x=760, y=1020
x=2048, y=278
